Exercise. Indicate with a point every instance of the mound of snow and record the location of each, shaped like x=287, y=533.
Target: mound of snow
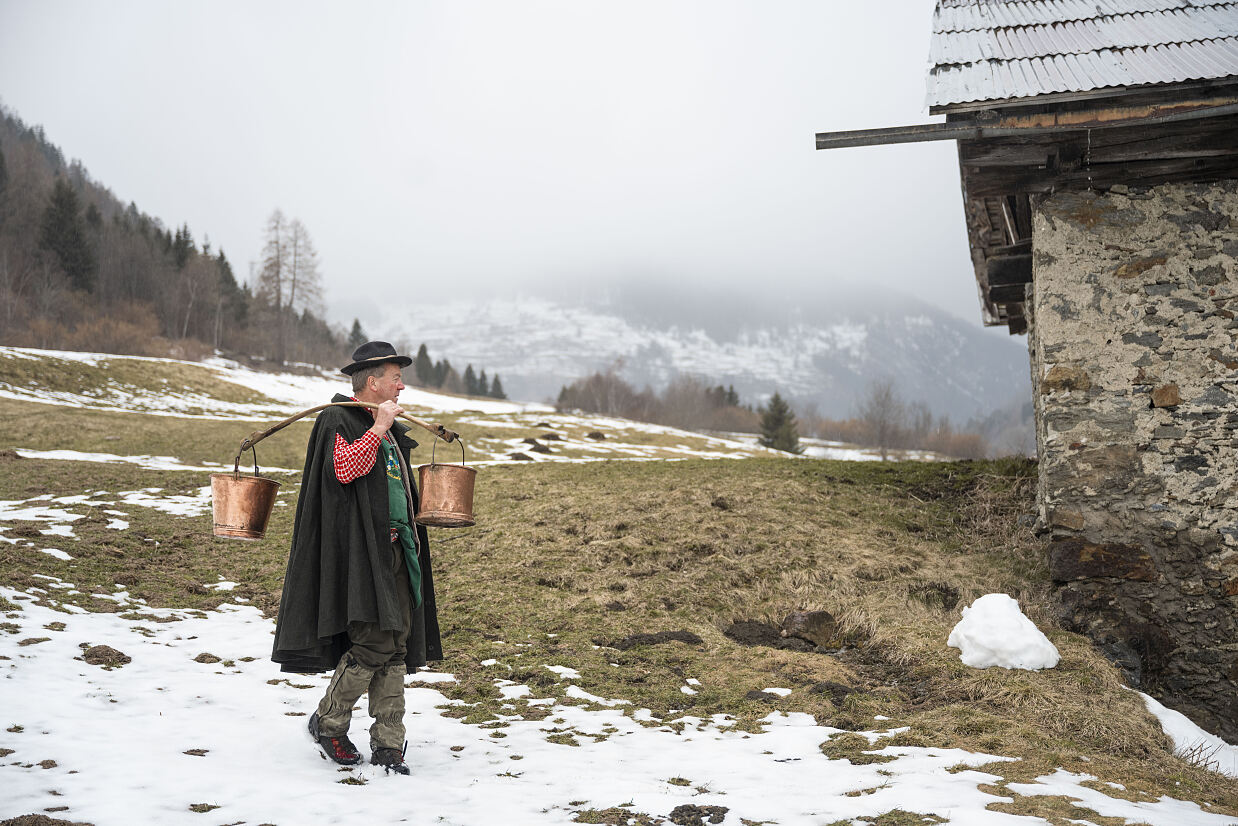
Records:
x=994, y=631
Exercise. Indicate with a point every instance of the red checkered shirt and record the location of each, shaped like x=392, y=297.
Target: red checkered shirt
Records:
x=357, y=459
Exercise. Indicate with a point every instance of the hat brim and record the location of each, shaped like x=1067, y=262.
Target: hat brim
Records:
x=403, y=361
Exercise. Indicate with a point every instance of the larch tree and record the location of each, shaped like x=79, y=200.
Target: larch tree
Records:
x=288, y=277
x=273, y=276
x=884, y=416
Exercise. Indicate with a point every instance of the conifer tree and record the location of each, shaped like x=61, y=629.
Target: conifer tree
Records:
x=778, y=426
x=357, y=337
x=496, y=388
x=423, y=367
x=63, y=233
x=483, y=384
x=470, y=380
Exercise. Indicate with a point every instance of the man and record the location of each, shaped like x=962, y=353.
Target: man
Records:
x=358, y=594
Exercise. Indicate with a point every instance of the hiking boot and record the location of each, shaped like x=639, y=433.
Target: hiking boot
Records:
x=390, y=759
x=339, y=749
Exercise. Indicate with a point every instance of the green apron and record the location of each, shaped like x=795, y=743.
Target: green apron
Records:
x=401, y=522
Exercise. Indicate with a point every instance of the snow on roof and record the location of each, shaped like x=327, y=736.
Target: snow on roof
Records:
x=999, y=49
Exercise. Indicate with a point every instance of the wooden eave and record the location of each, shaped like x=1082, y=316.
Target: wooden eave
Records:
x=1096, y=144
x=1013, y=152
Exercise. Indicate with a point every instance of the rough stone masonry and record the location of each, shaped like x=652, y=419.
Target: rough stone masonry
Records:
x=1133, y=334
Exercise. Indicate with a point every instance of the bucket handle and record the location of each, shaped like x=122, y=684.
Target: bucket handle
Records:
x=236, y=465
x=457, y=440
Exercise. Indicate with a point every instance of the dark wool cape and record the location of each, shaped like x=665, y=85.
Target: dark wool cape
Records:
x=339, y=569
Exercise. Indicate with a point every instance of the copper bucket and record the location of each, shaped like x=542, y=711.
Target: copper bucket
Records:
x=446, y=493
x=242, y=505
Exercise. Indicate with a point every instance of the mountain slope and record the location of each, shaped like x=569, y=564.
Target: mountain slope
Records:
x=823, y=352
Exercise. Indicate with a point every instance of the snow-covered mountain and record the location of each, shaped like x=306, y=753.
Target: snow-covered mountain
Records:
x=823, y=351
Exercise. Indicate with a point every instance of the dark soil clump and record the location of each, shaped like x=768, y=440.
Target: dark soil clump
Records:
x=689, y=815
x=747, y=632
x=763, y=696
x=106, y=655
x=41, y=820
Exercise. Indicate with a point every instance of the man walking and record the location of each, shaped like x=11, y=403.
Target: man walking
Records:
x=358, y=594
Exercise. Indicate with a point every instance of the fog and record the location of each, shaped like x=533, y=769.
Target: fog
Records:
x=470, y=148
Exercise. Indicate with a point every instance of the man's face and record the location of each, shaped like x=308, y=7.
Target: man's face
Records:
x=389, y=383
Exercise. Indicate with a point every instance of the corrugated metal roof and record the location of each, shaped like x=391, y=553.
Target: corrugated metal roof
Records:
x=994, y=49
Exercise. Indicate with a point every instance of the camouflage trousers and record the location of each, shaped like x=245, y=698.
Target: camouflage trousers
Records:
x=375, y=664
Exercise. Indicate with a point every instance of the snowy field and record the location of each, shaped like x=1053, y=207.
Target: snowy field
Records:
x=198, y=720
x=503, y=427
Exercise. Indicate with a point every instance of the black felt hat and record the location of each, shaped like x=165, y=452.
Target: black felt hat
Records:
x=373, y=353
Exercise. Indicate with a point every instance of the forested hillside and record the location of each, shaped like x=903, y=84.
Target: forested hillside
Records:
x=80, y=269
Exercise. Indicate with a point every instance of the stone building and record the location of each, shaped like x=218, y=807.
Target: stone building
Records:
x=1098, y=155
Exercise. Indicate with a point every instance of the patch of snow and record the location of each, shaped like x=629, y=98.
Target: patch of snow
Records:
x=222, y=585
x=59, y=530
x=514, y=692
x=432, y=677
x=994, y=632
x=687, y=689
x=564, y=672
x=781, y=692
x=56, y=552
x=1212, y=751
x=193, y=504
x=117, y=524
x=146, y=462
x=578, y=693
x=1164, y=812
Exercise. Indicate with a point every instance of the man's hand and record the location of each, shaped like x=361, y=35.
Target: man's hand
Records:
x=384, y=416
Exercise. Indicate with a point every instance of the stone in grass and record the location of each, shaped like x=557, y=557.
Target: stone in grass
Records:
x=689, y=815
x=106, y=656
x=206, y=657
x=817, y=627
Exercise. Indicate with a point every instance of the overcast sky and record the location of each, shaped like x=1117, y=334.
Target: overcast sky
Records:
x=465, y=146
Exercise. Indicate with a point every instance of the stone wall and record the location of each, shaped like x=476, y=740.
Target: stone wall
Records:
x=1134, y=349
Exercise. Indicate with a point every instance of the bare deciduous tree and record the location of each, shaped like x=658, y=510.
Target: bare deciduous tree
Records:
x=884, y=415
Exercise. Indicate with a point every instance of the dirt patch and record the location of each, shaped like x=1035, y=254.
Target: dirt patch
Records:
x=206, y=657
x=41, y=820
x=762, y=696
x=9, y=455
x=106, y=655
x=652, y=639
x=689, y=815
x=837, y=692
x=748, y=632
